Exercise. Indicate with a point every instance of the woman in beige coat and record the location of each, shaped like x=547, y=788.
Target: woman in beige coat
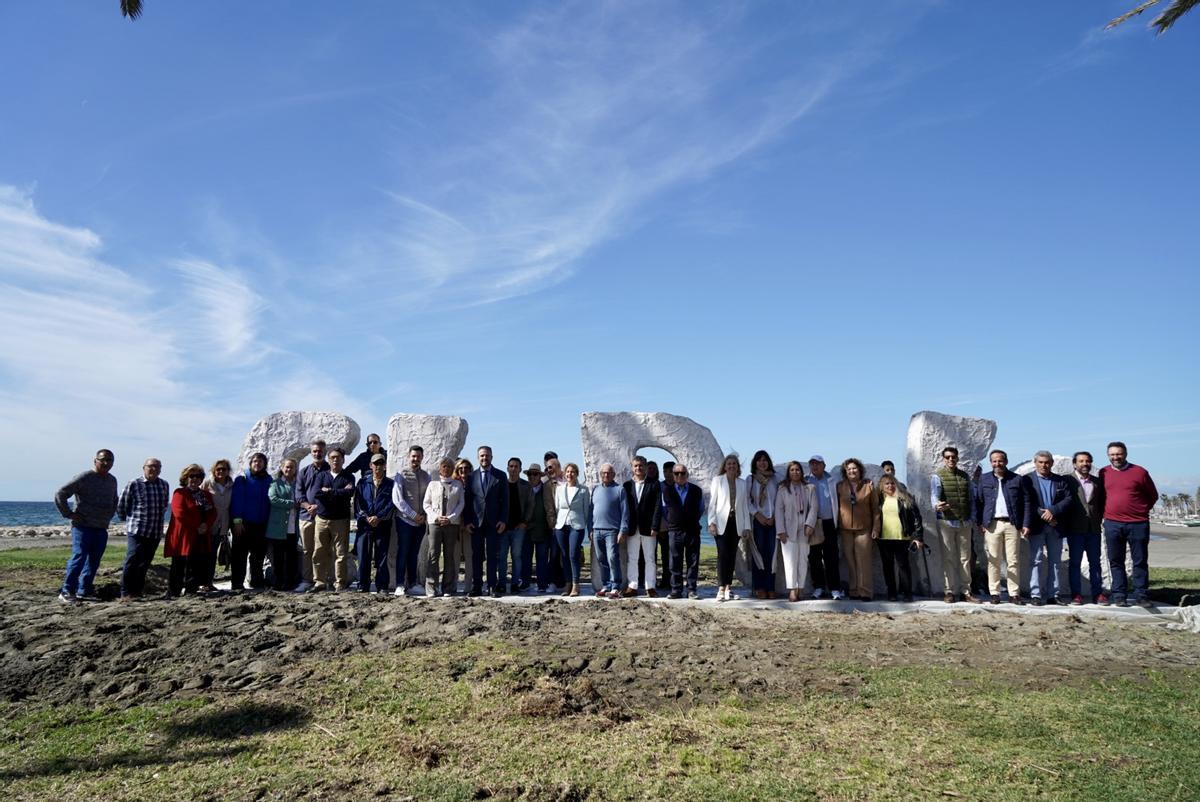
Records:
x=858, y=526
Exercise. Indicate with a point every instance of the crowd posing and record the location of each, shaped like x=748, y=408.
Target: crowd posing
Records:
x=526, y=534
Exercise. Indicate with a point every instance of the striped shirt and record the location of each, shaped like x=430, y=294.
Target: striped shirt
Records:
x=143, y=506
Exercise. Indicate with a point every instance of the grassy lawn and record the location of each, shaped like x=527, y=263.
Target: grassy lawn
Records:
x=462, y=722
x=56, y=557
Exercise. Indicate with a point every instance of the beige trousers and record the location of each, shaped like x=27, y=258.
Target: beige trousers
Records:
x=308, y=539
x=1003, y=541
x=332, y=545
x=956, y=557
x=858, y=552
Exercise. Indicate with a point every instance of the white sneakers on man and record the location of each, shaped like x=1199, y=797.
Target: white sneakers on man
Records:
x=400, y=591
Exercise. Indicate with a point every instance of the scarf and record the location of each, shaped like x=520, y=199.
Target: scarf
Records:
x=764, y=481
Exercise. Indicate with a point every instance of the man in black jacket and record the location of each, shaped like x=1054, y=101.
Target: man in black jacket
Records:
x=683, y=505
x=643, y=499
x=1084, y=528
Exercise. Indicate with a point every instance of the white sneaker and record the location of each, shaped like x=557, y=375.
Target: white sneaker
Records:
x=720, y=595
x=818, y=593
x=68, y=598
x=838, y=595
x=400, y=591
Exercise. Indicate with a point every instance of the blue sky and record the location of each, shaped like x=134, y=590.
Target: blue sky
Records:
x=797, y=223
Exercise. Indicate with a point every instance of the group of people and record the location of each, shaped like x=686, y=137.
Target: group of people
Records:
x=513, y=533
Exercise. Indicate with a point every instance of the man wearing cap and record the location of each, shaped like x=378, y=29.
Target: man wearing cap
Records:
x=539, y=535
x=823, y=560
x=373, y=500
x=143, y=506
x=95, y=493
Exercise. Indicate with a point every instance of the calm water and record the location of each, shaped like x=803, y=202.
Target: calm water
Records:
x=31, y=513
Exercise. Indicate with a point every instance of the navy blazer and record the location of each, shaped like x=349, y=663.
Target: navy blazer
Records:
x=488, y=507
x=1060, y=502
x=1014, y=496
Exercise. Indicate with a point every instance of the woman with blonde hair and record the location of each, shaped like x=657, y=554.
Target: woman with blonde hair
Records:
x=283, y=527
x=463, y=550
x=443, y=503
x=900, y=531
x=858, y=525
x=220, y=485
x=189, y=537
x=728, y=521
x=574, y=504
x=796, y=517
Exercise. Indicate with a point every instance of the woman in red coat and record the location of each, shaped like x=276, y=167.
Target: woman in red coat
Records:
x=189, y=539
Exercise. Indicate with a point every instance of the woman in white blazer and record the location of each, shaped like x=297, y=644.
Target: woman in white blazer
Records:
x=574, y=503
x=796, y=517
x=728, y=521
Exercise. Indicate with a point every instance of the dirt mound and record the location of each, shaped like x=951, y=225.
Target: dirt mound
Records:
x=601, y=657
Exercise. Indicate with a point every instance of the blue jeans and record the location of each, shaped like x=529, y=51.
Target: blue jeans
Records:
x=544, y=550
x=1079, y=544
x=498, y=546
x=516, y=539
x=1044, y=547
x=408, y=549
x=372, y=546
x=139, y=552
x=87, y=547
x=1135, y=536
x=609, y=554
x=570, y=545
x=764, y=540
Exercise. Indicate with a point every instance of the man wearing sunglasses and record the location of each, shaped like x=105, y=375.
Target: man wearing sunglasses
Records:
x=684, y=505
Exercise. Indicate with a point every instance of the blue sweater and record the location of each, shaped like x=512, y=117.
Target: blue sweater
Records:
x=250, y=501
x=608, y=508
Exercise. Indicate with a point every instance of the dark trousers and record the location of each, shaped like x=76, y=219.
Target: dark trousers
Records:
x=1080, y=544
x=685, y=559
x=285, y=562
x=544, y=550
x=664, y=559
x=250, y=545
x=408, y=550
x=765, y=541
x=727, y=547
x=373, y=550
x=188, y=573
x=1135, y=536
x=894, y=554
x=823, y=559
x=527, y=554
x=477, y=557
x=139, y=552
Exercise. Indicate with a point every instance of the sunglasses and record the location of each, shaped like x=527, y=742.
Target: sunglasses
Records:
x=679, y=473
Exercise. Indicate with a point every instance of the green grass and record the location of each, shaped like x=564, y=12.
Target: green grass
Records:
x=56, y=557
x=456, y=722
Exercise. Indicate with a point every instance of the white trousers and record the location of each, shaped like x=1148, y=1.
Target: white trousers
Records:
x=645, y=545
x=795, y=561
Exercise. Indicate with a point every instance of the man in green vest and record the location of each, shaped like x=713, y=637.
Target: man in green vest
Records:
x=950, y=497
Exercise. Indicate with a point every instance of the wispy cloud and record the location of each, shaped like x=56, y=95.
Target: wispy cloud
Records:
x=223, y=310
x=591, y=111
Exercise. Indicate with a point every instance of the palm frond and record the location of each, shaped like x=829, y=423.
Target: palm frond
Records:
x=1174, y=11
x=1128, y=15
x=131, y=8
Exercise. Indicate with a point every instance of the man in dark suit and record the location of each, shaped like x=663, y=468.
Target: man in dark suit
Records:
x=1084, y=527
x=1002, y=511
x=683, y=505
x=643, y=499
x=488, y=491
x=1049, y=499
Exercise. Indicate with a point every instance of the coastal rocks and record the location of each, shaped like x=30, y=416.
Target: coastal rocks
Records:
x=286, y=435
x=440, y=436
x=616, y=437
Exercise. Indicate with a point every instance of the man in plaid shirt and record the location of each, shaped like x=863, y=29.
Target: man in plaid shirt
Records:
x=142, y=507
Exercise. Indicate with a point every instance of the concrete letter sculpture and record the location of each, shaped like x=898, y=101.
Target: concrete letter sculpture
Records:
x=286, y=435
x=616, y=437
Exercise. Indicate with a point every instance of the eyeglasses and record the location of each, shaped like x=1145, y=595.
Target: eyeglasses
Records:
x=950, y=458
x=679, y=473
x=372, y=442
x=195, y=476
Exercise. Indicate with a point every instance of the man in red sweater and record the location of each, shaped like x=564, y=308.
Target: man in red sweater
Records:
x=1129, y=495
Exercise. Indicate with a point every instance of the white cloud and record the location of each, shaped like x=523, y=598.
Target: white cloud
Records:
x=223, y=310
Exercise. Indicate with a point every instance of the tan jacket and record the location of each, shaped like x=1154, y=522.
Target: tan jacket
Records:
x=863, y=515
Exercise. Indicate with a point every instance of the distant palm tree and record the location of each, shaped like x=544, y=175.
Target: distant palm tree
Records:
x=131, y=8
x=1164, y=20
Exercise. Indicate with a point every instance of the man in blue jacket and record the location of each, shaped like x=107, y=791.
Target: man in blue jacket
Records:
x=249, y=507
x=1049, y=500
x=373, y=500
x=488, y=492
x=1002, y=511
x=333, y=495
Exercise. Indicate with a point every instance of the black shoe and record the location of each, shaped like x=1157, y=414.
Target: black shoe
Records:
x=892, y=597
x=1036, y=601
x=907, y=597
x=524, y=586
x=496, y=593
x=475, y=592
x=1120, y=602
x=674, y=595
x=692, y=594
x=1052, y=600
x=1144, y=602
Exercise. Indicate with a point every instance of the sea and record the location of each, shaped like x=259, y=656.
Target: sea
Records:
x=35, y=513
